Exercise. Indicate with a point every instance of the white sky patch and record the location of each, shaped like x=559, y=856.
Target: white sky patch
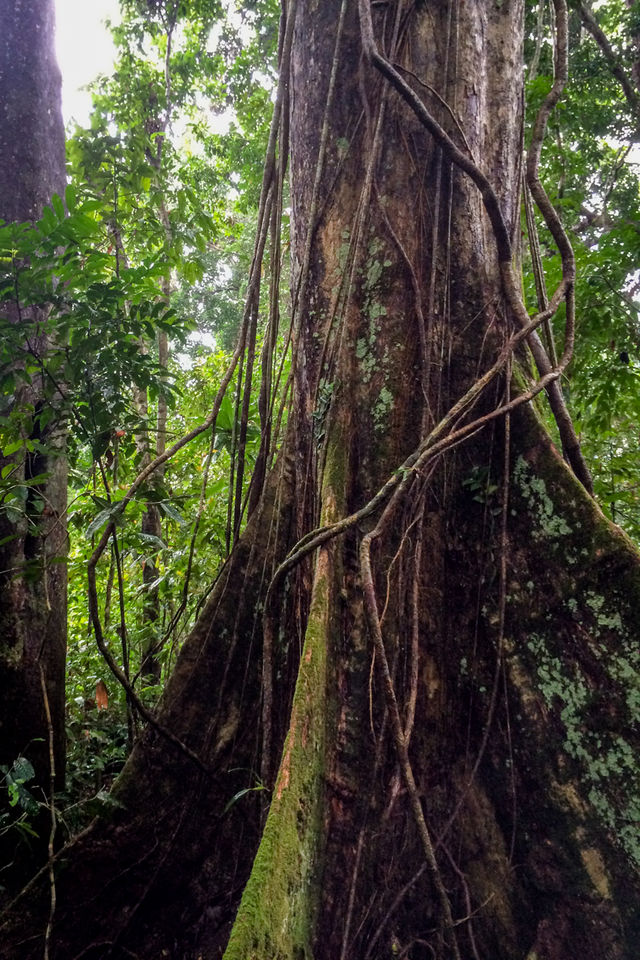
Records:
x=84, y=50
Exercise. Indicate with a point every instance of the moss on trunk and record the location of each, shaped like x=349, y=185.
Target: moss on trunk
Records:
x=278, y=907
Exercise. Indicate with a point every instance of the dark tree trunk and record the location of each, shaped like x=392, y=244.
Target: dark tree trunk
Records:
x=33, y=586
x=494, y=814
x=32, y=164
x=501, y=615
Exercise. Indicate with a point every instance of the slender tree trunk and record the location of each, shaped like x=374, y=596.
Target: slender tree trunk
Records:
x=458, y=777
x=33, y=584
x=151, y=666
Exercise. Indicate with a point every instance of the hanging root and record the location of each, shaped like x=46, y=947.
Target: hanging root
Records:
x=400, y=737
x=503, y=243
x=568, y=436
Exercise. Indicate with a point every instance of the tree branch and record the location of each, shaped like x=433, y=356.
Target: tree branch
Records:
x=594, y=28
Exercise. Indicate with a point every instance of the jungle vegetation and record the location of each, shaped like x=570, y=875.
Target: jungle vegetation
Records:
x=320, y=411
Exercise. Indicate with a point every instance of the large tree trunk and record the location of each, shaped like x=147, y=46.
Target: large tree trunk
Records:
x=33, y=583
x=478, y=799
x=504, y=642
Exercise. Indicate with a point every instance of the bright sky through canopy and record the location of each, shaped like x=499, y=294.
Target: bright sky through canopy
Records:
x=84, y=49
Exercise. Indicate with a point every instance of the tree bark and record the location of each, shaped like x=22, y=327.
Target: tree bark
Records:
x=33, y=585
x=534, y=854
x=458, y=777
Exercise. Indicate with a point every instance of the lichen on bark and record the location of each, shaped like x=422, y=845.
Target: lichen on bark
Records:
x=573, y=617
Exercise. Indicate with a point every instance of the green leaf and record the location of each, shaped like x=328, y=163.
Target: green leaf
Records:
x=110, y=514
x=152, y=541
x=71, y=197
x=58, y=206
x=12, y=448
x=224, y=420
x=170, y=511
x=242, y=793
x=22, y=770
